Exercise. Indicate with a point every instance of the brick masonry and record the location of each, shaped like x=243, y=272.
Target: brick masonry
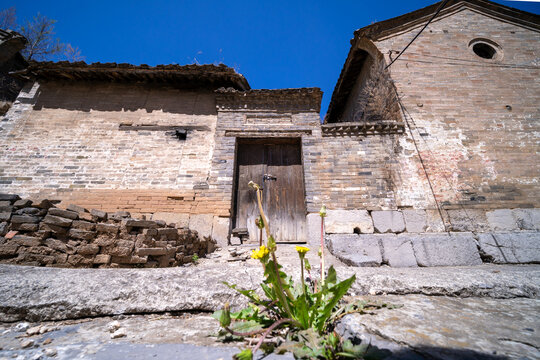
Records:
x=470, y=138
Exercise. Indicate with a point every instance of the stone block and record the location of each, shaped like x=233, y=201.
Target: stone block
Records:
x=3, y=228
x=468, y=220
x=415, y=220
x=5, y=203
x=7, y=209
x=56, y=245
x=25, y=227
x=220, y=231
x=141, y=224
x=82, y=234
x=98, y=215
x=26, y=240
x=83, y=225
x=80, y=260
x=102, y=259
x=19, y=204
x=388, y=221
x=8, y=250
x=86, y=216
x=434, y=221
x=511, y=248
x=90, y=249
x=19, y=219
x=435, y=249
x=119, y=215
x=9, y=197
x=76, y=208
x=129, y=259
x=30, y=211
x=57, y=221
x=501, y=220
x=57, y=230
x=151, y=251
x=63, y=213
x=356, y=250
x=120, y=251
x=527, y=219
x=313, y=225
x=202, y=223
x=347, y=221
x=180, y=220
x=107, y=228
x=5, y=216
x=167, y=234
x=397, y=251
x=43, y=204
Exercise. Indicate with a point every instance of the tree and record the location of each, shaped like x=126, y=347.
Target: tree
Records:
x=8, y=18
x=73, y=54
x=42, y=43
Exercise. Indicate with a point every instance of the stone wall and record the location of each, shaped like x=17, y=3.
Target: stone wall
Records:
x=42, y=234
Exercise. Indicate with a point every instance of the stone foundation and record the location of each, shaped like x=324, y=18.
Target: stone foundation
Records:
x=42, y=234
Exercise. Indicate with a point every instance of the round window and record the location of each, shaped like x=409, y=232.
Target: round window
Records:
x=486, y=49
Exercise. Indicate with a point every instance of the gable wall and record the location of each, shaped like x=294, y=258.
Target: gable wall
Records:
x=477, y=152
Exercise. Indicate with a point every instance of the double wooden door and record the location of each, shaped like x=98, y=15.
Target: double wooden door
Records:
x=276, y=165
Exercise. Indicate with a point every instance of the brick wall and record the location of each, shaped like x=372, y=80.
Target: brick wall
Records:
x=478, y=152
x=64, y=141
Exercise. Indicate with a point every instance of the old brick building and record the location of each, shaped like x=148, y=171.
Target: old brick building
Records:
x=445, y=139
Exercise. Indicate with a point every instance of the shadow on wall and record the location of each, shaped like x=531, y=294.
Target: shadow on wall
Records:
x=89, y=96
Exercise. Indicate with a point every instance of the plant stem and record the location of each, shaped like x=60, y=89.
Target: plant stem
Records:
x=322, y=250
x=302, y=274
x=281, y=292
x=259, y=202
x=272, y=327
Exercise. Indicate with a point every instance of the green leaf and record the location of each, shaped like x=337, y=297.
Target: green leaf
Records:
x=246, y=326
x=223, y=316
x=250, y=294
x=244, y=355
x=301, y=311
x=337, y=291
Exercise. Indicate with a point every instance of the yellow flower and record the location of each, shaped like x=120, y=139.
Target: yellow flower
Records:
x=302, y=249
x=261, y=253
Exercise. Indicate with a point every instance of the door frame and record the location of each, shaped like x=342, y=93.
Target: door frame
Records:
x=261, y=140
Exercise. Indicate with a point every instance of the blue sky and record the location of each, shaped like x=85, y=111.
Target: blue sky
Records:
x=274, y=44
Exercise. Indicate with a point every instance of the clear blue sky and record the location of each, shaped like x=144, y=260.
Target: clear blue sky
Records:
x=274, y=44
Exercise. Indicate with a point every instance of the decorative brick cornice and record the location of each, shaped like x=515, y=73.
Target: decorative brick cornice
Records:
x=363, y=129
x=291, y=100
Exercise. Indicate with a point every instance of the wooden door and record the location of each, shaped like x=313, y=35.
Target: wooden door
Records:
x=277, y=166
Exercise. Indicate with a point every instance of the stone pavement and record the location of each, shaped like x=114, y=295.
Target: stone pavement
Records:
x=447, y=313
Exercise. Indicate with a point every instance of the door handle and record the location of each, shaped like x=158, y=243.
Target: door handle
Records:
x=269, y=177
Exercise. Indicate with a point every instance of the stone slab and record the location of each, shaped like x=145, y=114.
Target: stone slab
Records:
x=64, y=213
x=468, y=220
x=527, y=219
x=9, y=197
x=144, y=224
x=356, y=250
x=313, y=225
x=19, y=219
x=511, y=248
x=434, y=221
x=415, y=220
x=502, y=220
x=346, y=221
x=202, y=223
x=397, y=251
x=220, y=230
x=435, y=249
x=450, y=328
x=57, y=221
x=388, y=221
